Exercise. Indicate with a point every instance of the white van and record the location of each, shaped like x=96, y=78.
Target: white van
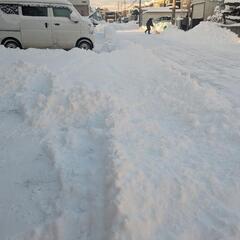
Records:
x=43, y=24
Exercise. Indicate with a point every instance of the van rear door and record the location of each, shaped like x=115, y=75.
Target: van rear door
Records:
x=36, y=27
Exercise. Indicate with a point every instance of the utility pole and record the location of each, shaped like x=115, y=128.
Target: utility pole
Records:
x=124, y=6
x=188, y=7
x=117, y=10
x=174, y=12
x=121, y=9
x=140, y=13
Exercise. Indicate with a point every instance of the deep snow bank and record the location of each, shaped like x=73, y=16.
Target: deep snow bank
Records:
x=71, y=124
x=138, y=151
x=206, y=33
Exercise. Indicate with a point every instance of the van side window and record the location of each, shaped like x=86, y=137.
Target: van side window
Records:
x=34, y=11
x=61, y=12
x=9, y=8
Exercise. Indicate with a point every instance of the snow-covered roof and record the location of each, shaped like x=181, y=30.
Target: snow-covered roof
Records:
x=162, y=9
x=232, y=1
x=233, y=17
x=36, y=1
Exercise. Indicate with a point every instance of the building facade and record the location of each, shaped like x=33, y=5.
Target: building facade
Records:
x=183, y=4
x=83, y=6
x=202, y=9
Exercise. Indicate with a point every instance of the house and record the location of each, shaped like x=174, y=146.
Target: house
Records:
x=202, y=9
x=161, y=12
x=82, y=6
x=111, y=16
x=183, y=4
x=169, y=3
x=232, y=11
x=231, y=15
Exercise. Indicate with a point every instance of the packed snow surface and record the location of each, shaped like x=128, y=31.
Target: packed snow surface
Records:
x=138, y=140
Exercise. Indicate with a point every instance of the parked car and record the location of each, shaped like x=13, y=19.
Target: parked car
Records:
x=163, y=19
x=162, y=23
x=125, y=19
x=110, y=20
x=43, y=24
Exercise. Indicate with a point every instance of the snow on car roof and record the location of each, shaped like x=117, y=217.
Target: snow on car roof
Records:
x=36, y=1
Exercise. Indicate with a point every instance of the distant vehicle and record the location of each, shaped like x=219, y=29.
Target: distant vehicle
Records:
x=163, y=19
x=43, y=24
x=125, y=19
x=110, y=17
x=110, y=20
x=161, y=23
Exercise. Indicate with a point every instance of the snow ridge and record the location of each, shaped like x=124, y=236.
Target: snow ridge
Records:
x=73, y=127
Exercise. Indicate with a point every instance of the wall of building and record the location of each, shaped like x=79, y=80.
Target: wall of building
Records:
x=159, y=3
x=170, y=3
x=82, y=6
x=183, y=4
x=209, y=8
x=198, y=10
x=82, y=9
x=80, y=2
x=202, y=9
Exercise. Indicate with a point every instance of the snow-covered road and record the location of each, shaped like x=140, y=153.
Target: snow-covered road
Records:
x=139, y=140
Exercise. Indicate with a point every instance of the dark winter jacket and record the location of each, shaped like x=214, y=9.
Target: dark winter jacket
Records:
x=149, y=23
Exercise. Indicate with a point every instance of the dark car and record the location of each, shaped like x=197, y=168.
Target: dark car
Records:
x=163, y=19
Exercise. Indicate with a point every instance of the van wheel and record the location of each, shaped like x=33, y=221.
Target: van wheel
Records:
x=11, y=44
x=83, y=44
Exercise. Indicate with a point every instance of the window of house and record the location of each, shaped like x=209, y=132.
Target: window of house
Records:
x=61, y=12
x=9, y=8
x=34, y=11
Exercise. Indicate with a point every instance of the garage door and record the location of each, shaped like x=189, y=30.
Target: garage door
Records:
x=198, y=10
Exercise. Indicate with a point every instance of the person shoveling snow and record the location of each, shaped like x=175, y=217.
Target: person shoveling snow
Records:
x=149, y=24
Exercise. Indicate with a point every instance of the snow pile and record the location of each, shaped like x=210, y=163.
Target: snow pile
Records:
x=109, y=32
x=117, y=26
x=206, y=33
x=211, y=33
x=71, y=124
x=140, y=142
